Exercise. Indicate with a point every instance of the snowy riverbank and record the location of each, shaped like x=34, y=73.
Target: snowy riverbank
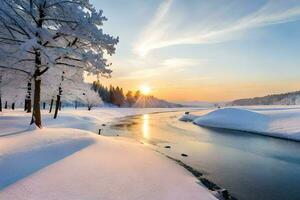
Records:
x=276, y=121
x=66, y=161
x=17, y=120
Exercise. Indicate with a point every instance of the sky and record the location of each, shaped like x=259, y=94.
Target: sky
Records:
x=199, y=50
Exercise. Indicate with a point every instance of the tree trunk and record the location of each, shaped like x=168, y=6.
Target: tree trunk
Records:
x=51, y=104
x=44, y=105
x=36, y=114
x=5, y=105
x=0, y=104
x=89, y=107
x=27, y=106
x=57, y=106
x=58, y=103
x=75, y=104
x=13, y=106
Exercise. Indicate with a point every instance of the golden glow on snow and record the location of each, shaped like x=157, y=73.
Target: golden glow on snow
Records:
x=145, y=128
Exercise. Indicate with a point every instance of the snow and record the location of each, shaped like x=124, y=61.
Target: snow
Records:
x=66, y=161
x=188, y=118
x=230, y=118
x=276, y=121
x=70, y=118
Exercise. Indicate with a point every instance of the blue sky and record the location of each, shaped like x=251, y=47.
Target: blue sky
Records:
x=209, y=50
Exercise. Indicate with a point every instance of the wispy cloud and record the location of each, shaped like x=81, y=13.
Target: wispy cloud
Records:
x=149, y=67
x=173, y=25
x=144, y=45
x=182, y=62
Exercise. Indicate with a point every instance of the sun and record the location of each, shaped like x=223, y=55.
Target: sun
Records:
x=145, y=90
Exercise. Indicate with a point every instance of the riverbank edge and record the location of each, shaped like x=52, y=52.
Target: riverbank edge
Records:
x=216, y=190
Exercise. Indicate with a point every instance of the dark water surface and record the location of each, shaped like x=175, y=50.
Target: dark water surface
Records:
x=250, y=166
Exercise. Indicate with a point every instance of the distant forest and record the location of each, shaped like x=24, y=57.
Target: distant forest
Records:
x=291, y=98
x=115, y=95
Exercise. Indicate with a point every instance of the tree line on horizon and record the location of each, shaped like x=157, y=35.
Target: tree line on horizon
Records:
x=290, y=98
x=115, y=95
x=89, y=96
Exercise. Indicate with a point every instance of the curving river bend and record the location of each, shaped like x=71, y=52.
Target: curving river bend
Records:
x=250, y=166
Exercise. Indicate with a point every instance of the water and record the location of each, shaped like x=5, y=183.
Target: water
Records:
x=250, y=166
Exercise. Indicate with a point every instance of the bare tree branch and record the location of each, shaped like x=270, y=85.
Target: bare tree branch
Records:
x=15, y=69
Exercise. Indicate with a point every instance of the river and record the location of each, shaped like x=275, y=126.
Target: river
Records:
x=250, y=166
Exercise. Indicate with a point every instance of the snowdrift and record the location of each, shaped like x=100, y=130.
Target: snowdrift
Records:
x=234, y=118
x=282, y=124
x=64, y=163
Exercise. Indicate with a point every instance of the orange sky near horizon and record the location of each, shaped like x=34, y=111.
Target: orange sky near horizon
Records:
x=208, y=90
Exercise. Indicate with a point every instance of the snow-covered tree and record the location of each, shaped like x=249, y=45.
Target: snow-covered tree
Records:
x=41, y=34
x=11, y=90
x=12, y=77
x=83, y=94
x=91, y=99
